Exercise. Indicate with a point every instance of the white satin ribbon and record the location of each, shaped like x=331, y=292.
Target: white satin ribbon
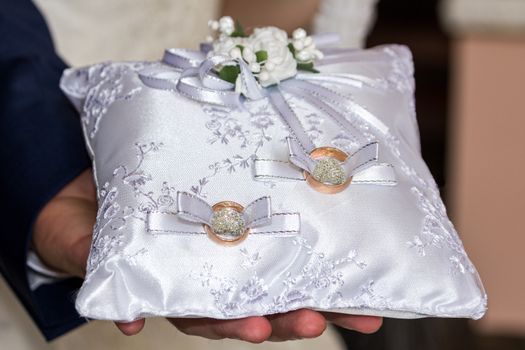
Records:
x=198, y=81
x=362, y=166
x=192, y=212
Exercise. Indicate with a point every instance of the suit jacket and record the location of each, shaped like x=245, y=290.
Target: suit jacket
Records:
x=41, y=150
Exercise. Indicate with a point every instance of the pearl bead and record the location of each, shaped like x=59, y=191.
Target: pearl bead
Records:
x=299, y=33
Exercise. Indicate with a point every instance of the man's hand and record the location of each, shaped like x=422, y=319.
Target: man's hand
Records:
x=62, y=237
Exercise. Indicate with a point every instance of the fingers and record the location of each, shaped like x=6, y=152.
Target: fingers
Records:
x=62, y=233
x=362, y=324
x=63, y=228
x=297, y=324
x=251, y=329
x=131, y=328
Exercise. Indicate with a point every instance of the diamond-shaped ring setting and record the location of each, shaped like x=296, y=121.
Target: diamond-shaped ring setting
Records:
x=228, y=223
x=329, y=171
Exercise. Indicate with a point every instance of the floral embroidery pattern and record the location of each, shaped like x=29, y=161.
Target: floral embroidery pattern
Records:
x=437, y=231
x=111, y=216
x=345, y=142
x=402, y=73
x=367, y=297
x=136, y=178
x=313, y=129
x=312, y=121
x=232, y=297
x=250, y=260
x=321, y=271
x=225, y=129
x=106, y=82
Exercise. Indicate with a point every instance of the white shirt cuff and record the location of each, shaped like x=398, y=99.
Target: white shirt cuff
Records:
x=39, y=273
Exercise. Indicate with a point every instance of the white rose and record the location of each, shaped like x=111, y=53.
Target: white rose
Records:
x=280, y=64
x=267, y=34
x=283, y=66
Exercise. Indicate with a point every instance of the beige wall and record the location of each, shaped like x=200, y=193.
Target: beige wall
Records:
x=487, y=171
x=90, y=31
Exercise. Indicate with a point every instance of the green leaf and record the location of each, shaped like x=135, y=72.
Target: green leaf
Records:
x=292, y=49
x=230, y=73
x=240, y=48
x=239, y=31
x=309, y=67
x=261, y=55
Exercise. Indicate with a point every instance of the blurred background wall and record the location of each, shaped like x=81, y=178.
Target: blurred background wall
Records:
x=487, y=149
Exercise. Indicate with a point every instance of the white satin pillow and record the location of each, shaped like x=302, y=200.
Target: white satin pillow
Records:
x=161, y=160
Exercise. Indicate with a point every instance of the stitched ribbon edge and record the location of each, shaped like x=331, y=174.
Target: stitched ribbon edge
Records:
x=193, y=212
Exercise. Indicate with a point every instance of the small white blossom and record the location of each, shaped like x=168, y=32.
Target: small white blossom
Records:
x=279, y=64
x=299, y=33
x=225, y=44
x=303, y=56
x=305, y=50
x=226, y=25
x=214, y=25
x=308, y=41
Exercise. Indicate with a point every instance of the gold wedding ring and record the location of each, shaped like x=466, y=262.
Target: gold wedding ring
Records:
x=227, y=215
x=323, y=153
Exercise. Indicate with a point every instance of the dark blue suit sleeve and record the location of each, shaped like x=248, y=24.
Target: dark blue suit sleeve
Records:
x=41, y=150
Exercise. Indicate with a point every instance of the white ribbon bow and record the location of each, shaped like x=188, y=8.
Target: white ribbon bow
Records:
x=194, y=213
x=362, y=166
